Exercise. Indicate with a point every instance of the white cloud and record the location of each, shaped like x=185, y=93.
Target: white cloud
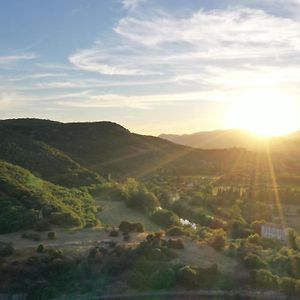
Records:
x=8, y=59
x=98, y=60
x=90, y=99
x=205, y=48
x=131, y=4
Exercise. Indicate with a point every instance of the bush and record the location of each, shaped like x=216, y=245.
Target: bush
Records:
x=163, y=279
x=176, y=243
x=187, y=277
x=126, y=226
x=165, y=218
x=65, y=219
x=40, y=248
x=218, y=239
x=253, y=261
x=114, y=233
x=95, y=254
x=42, y=225
x=55, y=253
x=256, y=226
x=265, y=280
x=126, y=237
x=140, y=198
x=175, y=231
x=6, y=249
x=31, y=236
x=52, y=235
x=287, y=285
x=297, y=287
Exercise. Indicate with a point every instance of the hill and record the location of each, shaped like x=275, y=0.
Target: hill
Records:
x=27, y=201
x=43, y=160
x=108, y=148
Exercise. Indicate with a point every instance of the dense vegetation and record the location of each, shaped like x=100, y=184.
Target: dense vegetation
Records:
x=27, y=200
x=43, y=160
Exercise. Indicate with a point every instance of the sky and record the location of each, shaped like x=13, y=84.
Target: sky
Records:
x=154, y=66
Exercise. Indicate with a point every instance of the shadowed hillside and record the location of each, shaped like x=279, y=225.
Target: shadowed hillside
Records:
x=43, y=160
x=106, y=147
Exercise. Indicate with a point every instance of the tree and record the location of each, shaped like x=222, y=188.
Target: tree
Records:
x=188, y=277
x=253, y=261
x=218, y=239
x=165, y=218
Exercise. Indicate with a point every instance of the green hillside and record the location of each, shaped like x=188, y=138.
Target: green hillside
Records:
x=43, y=160
x=26, y=201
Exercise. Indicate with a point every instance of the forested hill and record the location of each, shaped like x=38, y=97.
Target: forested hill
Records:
x=42, y=159
x=105, y=148
x=30, y=202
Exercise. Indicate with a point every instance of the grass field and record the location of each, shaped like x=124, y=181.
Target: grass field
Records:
x=113, y=212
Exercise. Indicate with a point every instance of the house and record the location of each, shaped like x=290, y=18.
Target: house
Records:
x=273, y=231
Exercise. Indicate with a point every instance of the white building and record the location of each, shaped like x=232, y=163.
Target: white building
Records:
x=272, y=231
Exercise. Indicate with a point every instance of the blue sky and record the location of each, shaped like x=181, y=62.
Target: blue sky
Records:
x=151, y=65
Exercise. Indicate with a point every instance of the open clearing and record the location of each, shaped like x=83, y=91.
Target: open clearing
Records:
x=114, y=212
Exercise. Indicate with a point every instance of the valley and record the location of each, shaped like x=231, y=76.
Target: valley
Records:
x=98, y=206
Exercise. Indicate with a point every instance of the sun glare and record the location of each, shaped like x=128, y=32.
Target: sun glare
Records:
x=264, y=113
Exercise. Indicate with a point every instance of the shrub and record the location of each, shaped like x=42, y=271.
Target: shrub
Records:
x=253, y=261
x=175, y=231
x=187, y=277
x=52, y=235
x=238, y=229
x=265, y=280
x=254, y=238
x=155, y=254
x=31, y=236
x=163, y=279
x=55, y=253
x=6, y=249
x=256, y=226
x=65, y=218
x=165, y=218
x=42, y=225
x=126, y=226
x=114, y=233
x=95, y=254
x=140, y=198
x=176, y=243
x=287, y=285
x=126, y=237
x=297, y=287
x=40, y=248
x=218, y=239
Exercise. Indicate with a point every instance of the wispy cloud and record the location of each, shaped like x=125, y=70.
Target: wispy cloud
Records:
x=8, y=59
x=207, y=46
x=92, y=99
x=131, y=4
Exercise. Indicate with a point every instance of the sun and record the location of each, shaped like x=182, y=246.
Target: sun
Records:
x=264, y=113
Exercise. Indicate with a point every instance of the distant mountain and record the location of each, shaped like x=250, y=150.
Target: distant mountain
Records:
x=220, y=139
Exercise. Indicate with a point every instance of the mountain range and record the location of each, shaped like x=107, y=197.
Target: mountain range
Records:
x=220, y=139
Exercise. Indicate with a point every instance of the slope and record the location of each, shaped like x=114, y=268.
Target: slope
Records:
x=108, y=148
x=26, y=200
x=43, y=160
